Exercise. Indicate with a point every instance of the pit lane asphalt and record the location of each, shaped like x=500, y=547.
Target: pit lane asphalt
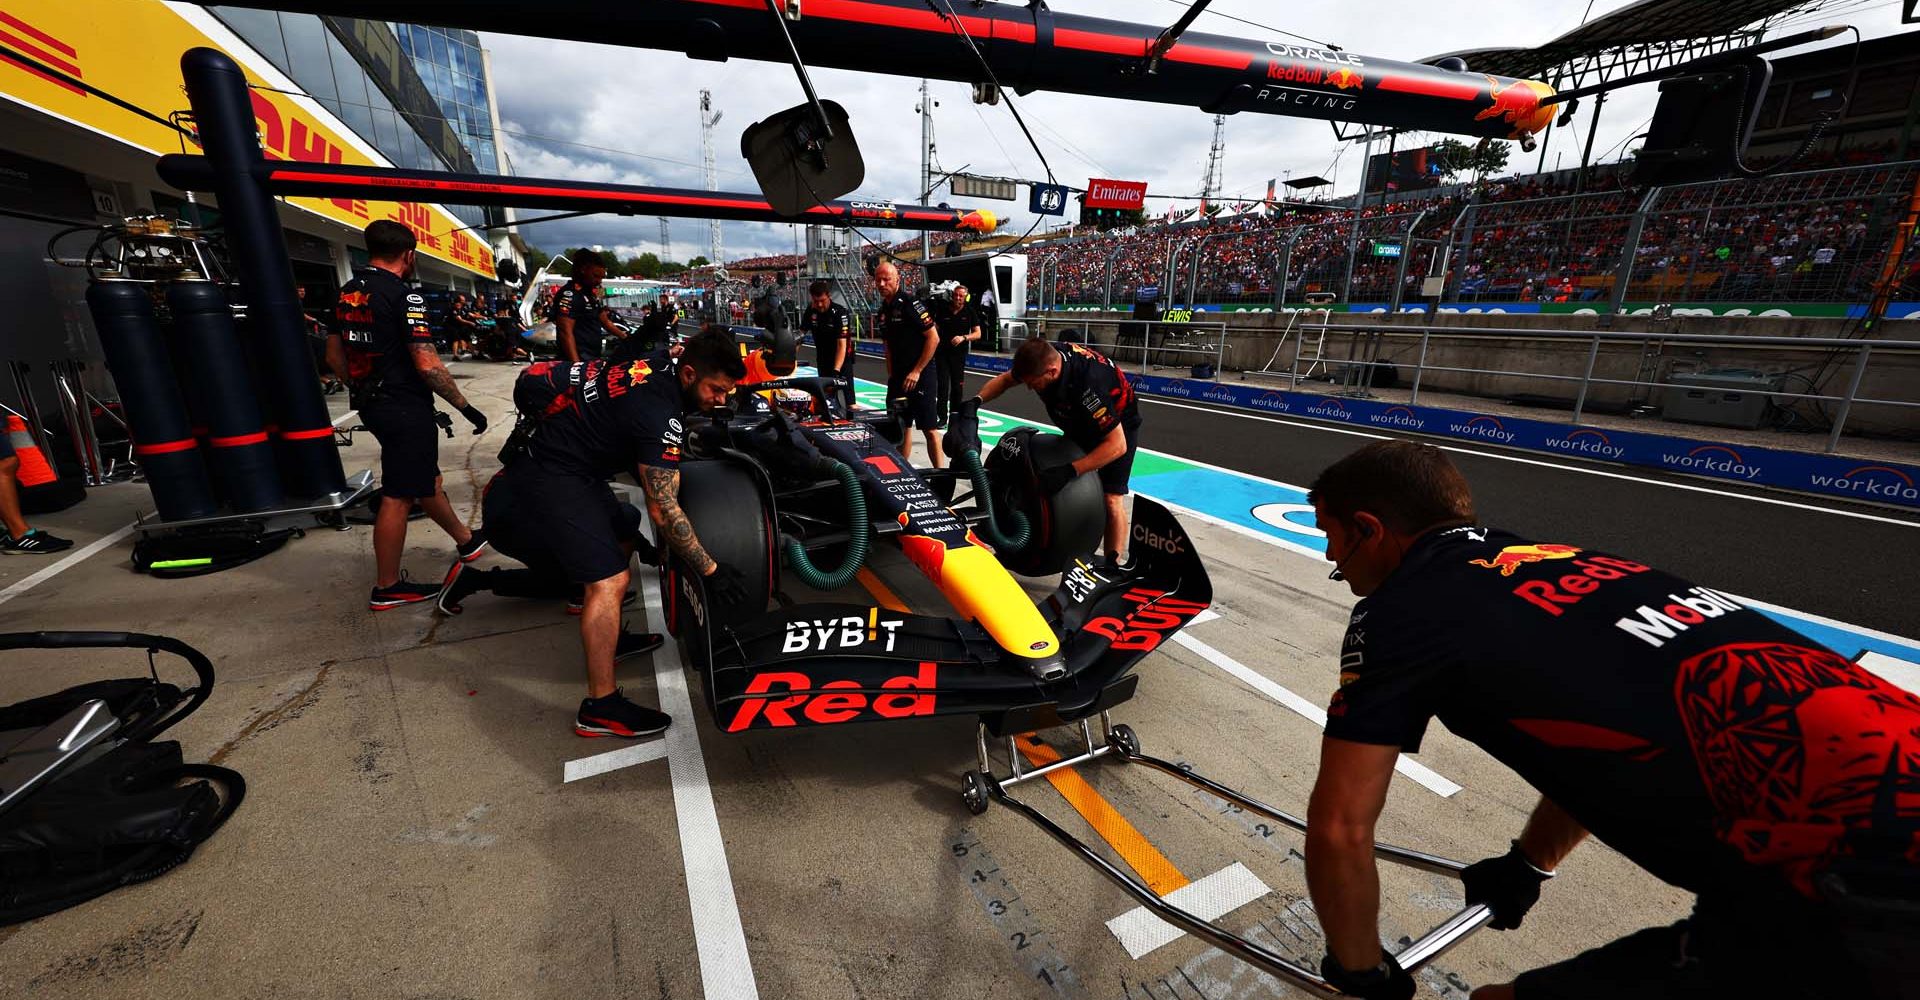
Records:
x=1856, y=571
x=408, y=832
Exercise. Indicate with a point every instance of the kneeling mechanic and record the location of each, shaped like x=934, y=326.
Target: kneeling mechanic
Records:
x=553, y=509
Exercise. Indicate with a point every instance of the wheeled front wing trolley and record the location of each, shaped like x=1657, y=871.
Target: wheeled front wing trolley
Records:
x=980, y=788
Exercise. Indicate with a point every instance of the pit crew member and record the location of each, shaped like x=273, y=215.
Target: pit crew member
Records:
x=582, y=321
x=552, y=508
x=959, y=324
x=1090, y=400
x=1723, y=752
x=382, y=348
x=832, y=328
x=908, y=335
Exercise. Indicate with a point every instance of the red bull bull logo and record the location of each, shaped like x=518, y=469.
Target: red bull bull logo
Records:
x=978, y=221
x=1518, y=104
x=1345, y=79
x=1515, y=556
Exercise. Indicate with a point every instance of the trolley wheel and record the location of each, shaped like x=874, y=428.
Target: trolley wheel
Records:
x=973, y=792
x=1124, y=738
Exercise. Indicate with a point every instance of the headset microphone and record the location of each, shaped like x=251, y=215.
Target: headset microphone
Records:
x=1341, y=564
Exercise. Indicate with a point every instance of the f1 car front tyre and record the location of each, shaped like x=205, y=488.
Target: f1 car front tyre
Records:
x=734, y=523
x=1067, y=524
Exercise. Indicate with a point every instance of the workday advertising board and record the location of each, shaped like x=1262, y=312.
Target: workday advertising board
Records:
x=1831, y=475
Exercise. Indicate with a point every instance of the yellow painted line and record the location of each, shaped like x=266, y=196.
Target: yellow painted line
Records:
x=1133, y=847
x=881, y=592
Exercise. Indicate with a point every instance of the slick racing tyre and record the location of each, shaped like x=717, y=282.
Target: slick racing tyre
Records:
x=733, y=519
x=1068, y=524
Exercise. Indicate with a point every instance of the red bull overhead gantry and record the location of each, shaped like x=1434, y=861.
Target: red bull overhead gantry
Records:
x=1028, y=48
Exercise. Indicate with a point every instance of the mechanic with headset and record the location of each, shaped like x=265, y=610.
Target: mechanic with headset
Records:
x=832, y=328
x=551, y=507
x=382, y=348
x=1718, y=749
x=582, y=321
x=1090, y=400
x=959, y=325
x=908, y=335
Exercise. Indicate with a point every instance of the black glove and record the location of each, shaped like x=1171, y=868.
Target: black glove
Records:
x=726, y=585
x=1508, y=884
x=1055, y=478
x=474, y=417
x=648, y=552
x=963, y=431
x=705, y=438
x=1387, y=981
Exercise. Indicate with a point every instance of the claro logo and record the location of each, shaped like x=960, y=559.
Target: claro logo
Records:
x=1172, y=543
x=833, y=702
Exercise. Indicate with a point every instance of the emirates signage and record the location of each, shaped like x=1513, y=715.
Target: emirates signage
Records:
x=1130, y=195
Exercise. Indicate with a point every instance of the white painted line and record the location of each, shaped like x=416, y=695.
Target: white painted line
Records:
x=79, y=554
x=1829, y=622
x=1413, y=769
x=602, y=763
x=1893, y=670
x=726, y=973
x=1208, y=898
x=1516, y=458
x=1204, y=617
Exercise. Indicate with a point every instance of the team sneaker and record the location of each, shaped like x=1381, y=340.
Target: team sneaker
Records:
x=404, y=591
x=460, y=583
x=636, y=643
x=614, y=715
x=577, y=604
x=474, y=547
x=34, y=542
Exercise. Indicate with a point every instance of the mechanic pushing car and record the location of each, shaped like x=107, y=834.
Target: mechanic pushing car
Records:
x=552, y=509
x=1092, y=403
x=582, y=320
x=382, y=348
x=908, y=335
x=1721, y=751
x=831, y=326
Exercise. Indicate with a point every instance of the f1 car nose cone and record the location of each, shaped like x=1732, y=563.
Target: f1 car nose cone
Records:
x=1051, y=668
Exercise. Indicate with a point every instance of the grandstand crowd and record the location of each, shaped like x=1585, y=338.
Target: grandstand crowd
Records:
x=1812, y=235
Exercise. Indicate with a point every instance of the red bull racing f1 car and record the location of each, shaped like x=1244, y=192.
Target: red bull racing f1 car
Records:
x=789, y=481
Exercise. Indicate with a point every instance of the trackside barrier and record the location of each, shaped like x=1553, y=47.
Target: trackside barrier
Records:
x=1829, y=475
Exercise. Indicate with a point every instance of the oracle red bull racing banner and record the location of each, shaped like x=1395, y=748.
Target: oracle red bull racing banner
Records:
x=1871, y=481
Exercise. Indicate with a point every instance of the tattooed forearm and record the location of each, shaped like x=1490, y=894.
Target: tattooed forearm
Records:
x=663, y=505
x=426, y=360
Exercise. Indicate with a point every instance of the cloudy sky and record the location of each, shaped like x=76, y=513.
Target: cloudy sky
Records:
x=596, y=112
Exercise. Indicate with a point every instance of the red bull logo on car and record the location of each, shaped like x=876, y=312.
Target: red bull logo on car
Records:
x=1515, y=556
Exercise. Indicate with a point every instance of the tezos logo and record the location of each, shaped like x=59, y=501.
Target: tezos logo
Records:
x=1172, y=543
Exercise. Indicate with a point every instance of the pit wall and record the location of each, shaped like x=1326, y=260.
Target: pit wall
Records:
x=1894, y=483
x=1253, y=338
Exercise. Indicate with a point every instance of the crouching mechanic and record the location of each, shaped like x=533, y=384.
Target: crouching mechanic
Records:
x=552, y=507
x=1721, y=751
x=1091, y=402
